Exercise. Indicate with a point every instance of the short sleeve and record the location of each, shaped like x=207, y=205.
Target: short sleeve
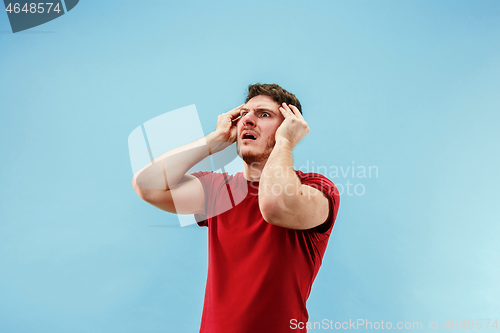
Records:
x=325, y=185
x=212, y=183
x=206, y=180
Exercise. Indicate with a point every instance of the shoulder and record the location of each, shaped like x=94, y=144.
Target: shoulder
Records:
x=217, y=175
x=321, y=183
x=317, y=181
x=215, y=179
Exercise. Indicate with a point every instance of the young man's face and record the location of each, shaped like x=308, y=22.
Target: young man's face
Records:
x=260, y=118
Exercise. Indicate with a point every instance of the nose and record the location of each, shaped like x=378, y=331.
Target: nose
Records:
x=248, y=119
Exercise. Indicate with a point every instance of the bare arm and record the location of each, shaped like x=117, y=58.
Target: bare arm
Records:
x=164, y=180
x=294, y=205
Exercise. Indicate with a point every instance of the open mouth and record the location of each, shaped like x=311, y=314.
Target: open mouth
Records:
x=249, y=136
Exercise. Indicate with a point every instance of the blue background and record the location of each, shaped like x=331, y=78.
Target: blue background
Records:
x=411, y=87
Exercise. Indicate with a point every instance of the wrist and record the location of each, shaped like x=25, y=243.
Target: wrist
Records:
x=283, y=143
x=214, y=142
x=210, y=139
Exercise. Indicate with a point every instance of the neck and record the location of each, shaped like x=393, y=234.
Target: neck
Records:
x=253, y=171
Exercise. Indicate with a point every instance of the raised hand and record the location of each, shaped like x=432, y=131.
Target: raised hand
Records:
x=225, y=132
x=294, y=128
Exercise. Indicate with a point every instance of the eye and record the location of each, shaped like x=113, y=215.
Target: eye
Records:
x=243, y=113
x=265, y=114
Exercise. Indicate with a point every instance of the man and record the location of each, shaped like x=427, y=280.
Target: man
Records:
x=268, y=226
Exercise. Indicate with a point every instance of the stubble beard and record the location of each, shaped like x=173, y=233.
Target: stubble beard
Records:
x=261, y=157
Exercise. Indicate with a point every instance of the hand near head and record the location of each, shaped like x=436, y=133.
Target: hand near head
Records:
x=294, y=128
x=225, y=132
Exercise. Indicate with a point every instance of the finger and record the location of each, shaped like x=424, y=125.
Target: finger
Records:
x=235, y=112
x=296, y=111
x=286, y=106
x=286, y=113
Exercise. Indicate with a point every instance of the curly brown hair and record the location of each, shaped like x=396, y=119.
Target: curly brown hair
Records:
x=278, y=94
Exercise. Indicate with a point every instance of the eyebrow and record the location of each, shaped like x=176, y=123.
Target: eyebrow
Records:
x=260, y=109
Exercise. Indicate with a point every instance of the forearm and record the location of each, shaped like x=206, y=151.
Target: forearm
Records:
x=279, y=185
x=168, y=169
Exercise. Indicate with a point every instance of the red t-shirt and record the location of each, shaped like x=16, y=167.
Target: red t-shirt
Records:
x=259, y=275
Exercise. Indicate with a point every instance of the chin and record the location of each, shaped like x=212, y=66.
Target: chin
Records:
x=251, y=156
